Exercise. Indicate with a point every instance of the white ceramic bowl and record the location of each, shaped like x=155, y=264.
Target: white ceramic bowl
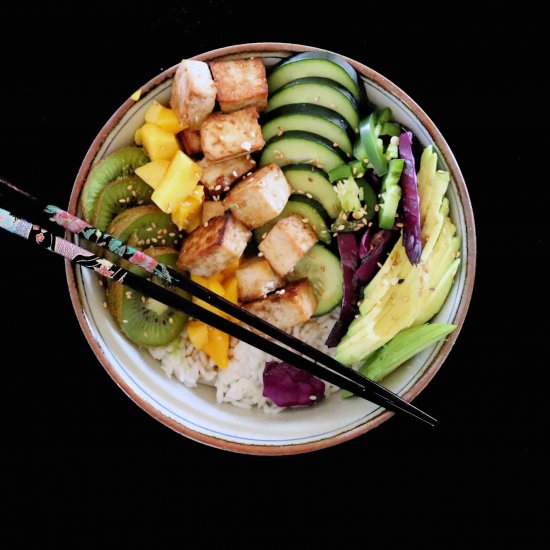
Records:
x=195, y=412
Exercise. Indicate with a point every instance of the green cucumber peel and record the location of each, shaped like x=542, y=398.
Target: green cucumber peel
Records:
x=400, y=349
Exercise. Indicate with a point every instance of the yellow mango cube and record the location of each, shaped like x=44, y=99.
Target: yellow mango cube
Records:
x=218, y=347
x=159, y=144
x=164, y=117
x=231, y=290
x=153, y=172
x=178, y=182
x=187, y=215
x=197, y=332
x=138, y=138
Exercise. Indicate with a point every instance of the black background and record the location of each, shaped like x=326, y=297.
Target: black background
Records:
x=91, y=465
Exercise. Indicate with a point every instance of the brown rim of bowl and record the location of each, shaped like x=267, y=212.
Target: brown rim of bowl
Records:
x=445, y=349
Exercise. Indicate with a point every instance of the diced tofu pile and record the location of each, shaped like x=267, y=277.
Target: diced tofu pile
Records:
x=225, y=136
x=287, y=243
x=287, y=307
x=219, y=198
x=211, y=248
x=217, y=177
x=256, y=279
x=260, y=197
x=193, y=93
x=240, y=83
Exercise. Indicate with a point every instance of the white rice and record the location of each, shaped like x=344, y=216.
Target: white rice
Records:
x=241, y=383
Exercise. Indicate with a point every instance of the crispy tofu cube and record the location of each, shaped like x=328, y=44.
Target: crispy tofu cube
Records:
x=288, y=307
x=230, y=135
x=191, y=141
x=287, y=243
x=256, y=279
x=193, y=93
x=218, y=176
x=212, y=209
x=240, y=83
x=213, y=247
x=260, y=197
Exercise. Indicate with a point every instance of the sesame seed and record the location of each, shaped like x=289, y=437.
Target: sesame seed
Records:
x=154, y=240
x=143, y=299
x=226, y=188
x=124, y=321
x=281, y=292
x=260, y=254
x=122, y=201
x=457, y=254
x=397, y=224
x=370, y=224
x=100, y=282
x=264, y=235
x=335, y=145
x=216, y=198
x=130, y=187
x=357, y=227
x=149, y=229
x=235, y=174
x=305, y=220
x=280, y=132
x=205, y=224
x=134, y=194
x=171, y=321
x=217, y=188
x=356, y=316
x=356, y=130
x=354, y=170
x=332, y=105
x=341, y=227
x=252, y=134
x=105, y=305
x=148, y=241
x=356, y=215
x=378, y=264
x=313, y=397
x=316, y=99
x=376, y=207
x=129, y=294
x=248, y=174
x=246, y=145
x=309, y=195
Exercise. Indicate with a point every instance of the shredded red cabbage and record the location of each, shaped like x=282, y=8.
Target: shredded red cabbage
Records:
x=348, y=249
x=288, y=386
x=380, y=243
x=412, y=234
x=364, y=244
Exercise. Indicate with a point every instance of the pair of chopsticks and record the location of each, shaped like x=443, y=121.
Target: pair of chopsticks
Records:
x=316, y=362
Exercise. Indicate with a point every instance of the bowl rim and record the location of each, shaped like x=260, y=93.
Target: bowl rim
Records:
x=470, y=237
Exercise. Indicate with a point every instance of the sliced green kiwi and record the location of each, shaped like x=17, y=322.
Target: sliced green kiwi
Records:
x=119, y=195
x=116, y=165
x=145, y=226
x=143, y=320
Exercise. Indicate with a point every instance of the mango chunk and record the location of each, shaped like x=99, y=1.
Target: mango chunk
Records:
x=178, y=182
x=197, y=332
x=159, y=144
x=164, y=117
x=218, y=347
x=153, y=172
x=187, y=215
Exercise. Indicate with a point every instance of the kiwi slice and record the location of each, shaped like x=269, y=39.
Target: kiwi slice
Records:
x=116, y=165
x=143, y=320
x=145, y=226
x=117, y=196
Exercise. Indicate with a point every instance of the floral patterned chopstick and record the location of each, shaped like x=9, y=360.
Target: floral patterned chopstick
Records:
x=379, y=394
x=44, y=239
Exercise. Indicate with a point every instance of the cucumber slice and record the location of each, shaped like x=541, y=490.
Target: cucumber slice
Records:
x=324, y=272
x=308, y=180
x=369, y=197
x=309, y=118
x=317, y=91
x=322, y=64
x=306, y=208
x=295, y=147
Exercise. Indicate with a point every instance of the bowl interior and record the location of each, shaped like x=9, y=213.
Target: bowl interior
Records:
x=196, y=411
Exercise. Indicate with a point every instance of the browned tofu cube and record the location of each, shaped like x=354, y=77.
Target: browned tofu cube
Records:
x=292, y=305
x=230, y=135
x=191, y=141
x=193, y=93
x=217, y=177
x=256, y=279
x=287, y=243
x=240, y=83
x=212, y=209
x=260, y=197
x=211, y=248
